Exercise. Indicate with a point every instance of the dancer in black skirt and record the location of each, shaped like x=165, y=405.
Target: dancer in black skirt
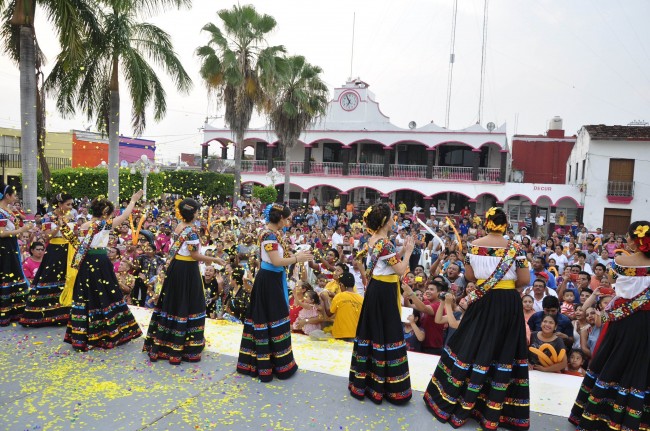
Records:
x=178, y=320
x=265, y=347
x=13, y=284
x=43, y=307
x=99, y=316
x=615, y=392
x=483, y=371
x=379, y=363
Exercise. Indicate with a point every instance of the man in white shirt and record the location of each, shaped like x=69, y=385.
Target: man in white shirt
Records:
x=416, y=210
x=540, y=222
x=539, y=291
x=337, y=236
x=433, y=210
x=560, y=259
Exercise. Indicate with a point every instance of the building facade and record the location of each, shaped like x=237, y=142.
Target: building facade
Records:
x=608, y=165
x=58, y=153
x=541, y=158
x=357, y=153
x=90, y=149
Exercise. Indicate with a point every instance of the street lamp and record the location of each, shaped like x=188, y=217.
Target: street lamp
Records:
x=144, y=166
x=274, y=175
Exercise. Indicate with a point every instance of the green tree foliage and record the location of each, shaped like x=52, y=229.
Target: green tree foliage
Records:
x=80, y=182
x=266, y=194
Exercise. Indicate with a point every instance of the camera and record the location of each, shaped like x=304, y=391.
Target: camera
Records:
x=442, y=295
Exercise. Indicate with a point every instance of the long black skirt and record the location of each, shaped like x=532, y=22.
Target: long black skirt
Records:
x=13, y=285
x=99, y=316
x=43, y=307
x=615, y=392
x=379, y=367
x=178, y=320
x=483, y=371
x=265, y=348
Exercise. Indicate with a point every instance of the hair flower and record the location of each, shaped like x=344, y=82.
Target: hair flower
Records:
x=367, y=212
x=491, y=212
x=641, y=231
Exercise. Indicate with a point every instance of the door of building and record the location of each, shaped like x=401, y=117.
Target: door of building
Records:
x=616, y=220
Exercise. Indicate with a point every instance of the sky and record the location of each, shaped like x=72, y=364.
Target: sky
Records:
x=587, y=61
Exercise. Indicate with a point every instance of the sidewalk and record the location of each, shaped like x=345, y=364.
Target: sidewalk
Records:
x=45, y=385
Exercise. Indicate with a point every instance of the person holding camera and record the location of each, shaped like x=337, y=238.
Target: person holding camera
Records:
x=489, y=348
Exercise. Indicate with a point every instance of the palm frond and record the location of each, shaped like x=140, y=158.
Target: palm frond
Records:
x=154, y=43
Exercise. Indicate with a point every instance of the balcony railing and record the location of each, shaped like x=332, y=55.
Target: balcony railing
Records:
x=258, y=166
x=13, y=161
x=366, y=169
x=452, y=173
x=489, y=174
x=294, y=167
x=327, y=168
x=624, y=189
x=408, y=171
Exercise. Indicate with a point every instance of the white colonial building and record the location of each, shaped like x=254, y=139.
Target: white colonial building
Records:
x=357, y=153
x=610, y=165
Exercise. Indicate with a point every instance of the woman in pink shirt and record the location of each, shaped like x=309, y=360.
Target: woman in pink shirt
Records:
x=31, y=264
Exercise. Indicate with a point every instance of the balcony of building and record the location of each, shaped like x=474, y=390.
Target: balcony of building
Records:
x=620, y=191
x=13, y=161
x=408, y=160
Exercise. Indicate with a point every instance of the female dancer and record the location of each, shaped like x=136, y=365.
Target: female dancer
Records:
x=176, y=327
x=614, y=393
x=379, y=364
x=13, y=285
x=483, y=371
x=266, y=340
x=99, y=316
x=43, y=307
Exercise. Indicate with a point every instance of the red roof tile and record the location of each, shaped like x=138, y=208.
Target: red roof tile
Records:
x=632, y=133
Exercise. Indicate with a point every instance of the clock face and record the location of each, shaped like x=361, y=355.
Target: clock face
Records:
x=349, y=101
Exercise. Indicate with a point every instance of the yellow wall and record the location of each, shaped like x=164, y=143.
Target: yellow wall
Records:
x=57, y=144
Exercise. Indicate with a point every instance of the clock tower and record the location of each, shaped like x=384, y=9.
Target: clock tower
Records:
x=355, y=103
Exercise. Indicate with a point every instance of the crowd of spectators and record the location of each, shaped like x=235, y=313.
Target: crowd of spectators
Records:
x=568, y=289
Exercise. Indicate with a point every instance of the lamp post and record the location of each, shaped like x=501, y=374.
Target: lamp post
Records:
x=144, y=166
x=274, y=175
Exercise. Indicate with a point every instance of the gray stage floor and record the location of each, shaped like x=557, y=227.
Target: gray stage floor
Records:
x=45, y=385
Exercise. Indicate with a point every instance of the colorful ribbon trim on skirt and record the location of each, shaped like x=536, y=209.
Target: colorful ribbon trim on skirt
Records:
x=185, y=258
x=392, y=278
x=270, y=267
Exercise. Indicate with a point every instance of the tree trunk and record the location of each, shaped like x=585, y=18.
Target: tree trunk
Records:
x=238, y=154
x=114, y=138
x=41, y=136
x=287, y=172
x=28, y=140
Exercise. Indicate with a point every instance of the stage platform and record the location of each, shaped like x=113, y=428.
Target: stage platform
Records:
x=45, y=385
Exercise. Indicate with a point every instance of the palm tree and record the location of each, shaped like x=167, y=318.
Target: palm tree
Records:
x=236, y=64
x=70, y=19
x=124, y=50
x=299, y=97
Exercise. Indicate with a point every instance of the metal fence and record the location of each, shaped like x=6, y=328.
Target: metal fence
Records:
x=620, y=188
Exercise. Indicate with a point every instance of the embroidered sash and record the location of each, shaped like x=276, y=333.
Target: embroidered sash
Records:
x=627, y=308
x=82, y=251
x=178, y=243
x=68, y=233
x=499, y=272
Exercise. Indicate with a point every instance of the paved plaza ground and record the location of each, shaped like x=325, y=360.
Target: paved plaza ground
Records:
x=45, y=385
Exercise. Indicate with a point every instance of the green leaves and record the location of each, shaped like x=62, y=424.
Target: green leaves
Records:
x=90, y=182
x=267, y=194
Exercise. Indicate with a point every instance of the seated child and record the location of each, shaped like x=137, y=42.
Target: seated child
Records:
x=567, y=308
x=413, y=334
x=309, y=317
x=574, y=366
